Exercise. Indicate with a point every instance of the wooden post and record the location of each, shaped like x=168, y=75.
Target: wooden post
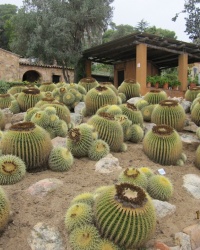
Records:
x=141, y=66
x=182, y=70
x=88, y=69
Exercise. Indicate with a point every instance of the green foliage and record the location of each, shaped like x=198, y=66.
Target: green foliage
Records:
x=12, y=169
x=192, y=10
x=4, y=87
x=4, y=209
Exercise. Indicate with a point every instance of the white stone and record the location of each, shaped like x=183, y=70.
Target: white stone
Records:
x=17, y=117
x=134, y=100
x=59, y=141
x=44, y=237
x=78, y=108
x=107, y=164
x=192, y=184
x=76, y=118
x=183, y=240
x=163, y=208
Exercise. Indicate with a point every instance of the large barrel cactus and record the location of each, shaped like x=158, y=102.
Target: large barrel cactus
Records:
x=132, y=113
x=195, y=113
x=125, y=214
x=4, y=209
x=98, y=97
x=28, y=98
x=5, y=100
x=192, y=93
x=2, y=120
x=169, y=112
x=163, y=145
x=154, y=96
x=29, y=142
x=110, y=85
x=130, y=88
x=47, y=86
x=109, y=130
x=16, y=89
x=197, y=157
x=88, y=83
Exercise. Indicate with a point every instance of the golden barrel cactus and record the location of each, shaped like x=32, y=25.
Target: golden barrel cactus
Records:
x=130, y=88
x=154, y=96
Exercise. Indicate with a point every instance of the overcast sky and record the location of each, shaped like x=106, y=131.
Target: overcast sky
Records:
x=155, y=12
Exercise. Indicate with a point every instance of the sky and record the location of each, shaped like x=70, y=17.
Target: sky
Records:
x=154, y=12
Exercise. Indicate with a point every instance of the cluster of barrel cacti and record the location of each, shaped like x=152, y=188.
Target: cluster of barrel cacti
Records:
x=120, y=216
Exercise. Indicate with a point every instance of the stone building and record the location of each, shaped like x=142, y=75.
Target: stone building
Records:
x=15, y=68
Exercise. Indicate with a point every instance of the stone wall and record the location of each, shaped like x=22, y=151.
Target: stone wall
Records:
x=9, y=66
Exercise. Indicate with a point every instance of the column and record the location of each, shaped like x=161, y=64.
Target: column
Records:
x=141, y=66
x=88, y=69
x=182, y=70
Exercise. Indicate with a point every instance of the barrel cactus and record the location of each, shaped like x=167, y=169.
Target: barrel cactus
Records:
x=29, y=113
x=141, y=104
x=16, y=89
x=130, y=88
x=197, y=157
x=154, y=96
x=2, y=120
x=133, y=176
x=88, y=83
x=163, y=145
x=195, y=113
x=45, y=100
x=98, y=150
x=126, y=125
x=60, y=159
x=14, y=107
x=192, y=93
x=12, y=169
x=58, y=93
x=77, y=215
x=28, y=98
x=147, y=112
x=5, y=100
x=110, y=85
x=30, y=142
x=40, y=118
x=98, y=97
x=4, y=209
x=47, y=86
x=109, y=130
x=169, y=112
x=132, y=113
x=87, y=198
x=125, y=214
x=160, y=187
x=79, y=140
x=147, y=171
x=136, y=133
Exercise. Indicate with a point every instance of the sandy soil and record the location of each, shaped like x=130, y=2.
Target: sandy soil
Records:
x=28, y=210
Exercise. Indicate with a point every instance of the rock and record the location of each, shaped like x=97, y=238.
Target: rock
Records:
x=190, y=126
x=175, y=248
x=183, y=240
x=107, y=164
x=194, y=233
x=134, y=100
x=189, y=141
x=59, y=141
x=44, y=237
x=78, y=108
x=7, y=114
x=186, y=105
x=76, y=118
x=192, y=184
x=163, y=208
x=158, y=245
x=17, y=117
x=148, y=126
x=43, y=187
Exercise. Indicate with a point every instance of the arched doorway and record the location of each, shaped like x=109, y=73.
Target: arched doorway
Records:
x=31, y=76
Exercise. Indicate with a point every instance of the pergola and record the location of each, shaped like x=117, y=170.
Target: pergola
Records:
x=145, y=48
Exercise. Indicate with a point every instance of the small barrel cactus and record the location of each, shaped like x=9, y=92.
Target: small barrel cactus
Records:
x=125, y=215
x=126, y=125
x=60, y=159
x=195, y=113
x=147, y=112
x=110, y=85
x=109, y=130
x=79, y=140
x=192, y=93
x=47, y=86
x=88, y=83
x=16, y=89
x=141, y=104
x=77, y=215
x=133, y=176
x=29, y=113
x=40, y=118
x=30, y=142
x=14, y=107
x=136, y=133
x=98, y=97
x=130, y=88
x=169, y=112
x=132, y=113
x=147, y=171
x=4, y=209
x=45, y=100
x=2, y=120
x=154, y=96
x=98, y=150
x=86, y=197
x=160, y=187
x=12, y=169
x=28, y=98
x=197, y=157
x=163, y=145
x=5, y=100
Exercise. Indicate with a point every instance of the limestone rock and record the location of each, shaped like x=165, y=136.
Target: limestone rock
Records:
x=17, y=117
x=194, y=233
x=59, y=141
x=78, y=108
x=183, y=240
x=134, y=100
x=163, y=208
x=189, y=141
x=190, y=126
x=76, y=118
x=107, y=164
x=192, y=184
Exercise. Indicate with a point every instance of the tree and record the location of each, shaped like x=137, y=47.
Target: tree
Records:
x=192, y=11
x=141, y=26
x=6, y=12
x=58, y=29
x=161, y=32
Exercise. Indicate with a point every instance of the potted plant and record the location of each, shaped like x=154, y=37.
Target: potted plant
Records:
x=175, y=83
x=192, y=82
x=149, y=79
x=155, y=82
x=164, y=82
